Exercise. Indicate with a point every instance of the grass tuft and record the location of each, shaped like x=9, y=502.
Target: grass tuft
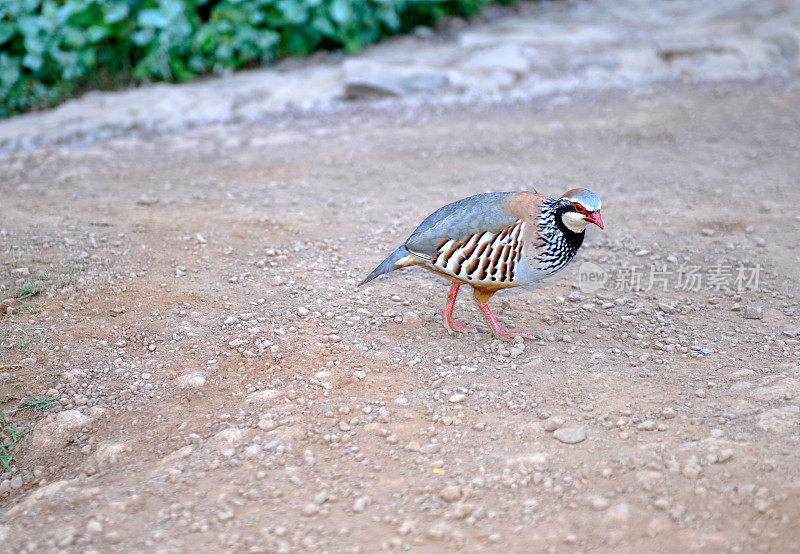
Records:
x=36, y=403
x=10, y=436
x=30, y=289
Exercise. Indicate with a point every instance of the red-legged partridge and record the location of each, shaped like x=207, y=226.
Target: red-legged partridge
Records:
x=496, y=241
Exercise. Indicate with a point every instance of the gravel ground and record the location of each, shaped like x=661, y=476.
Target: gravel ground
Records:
x=223, y=386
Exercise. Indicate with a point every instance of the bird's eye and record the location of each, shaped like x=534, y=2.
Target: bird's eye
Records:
x=579, y=208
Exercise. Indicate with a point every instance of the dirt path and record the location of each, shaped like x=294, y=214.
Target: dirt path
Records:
x=223, y=386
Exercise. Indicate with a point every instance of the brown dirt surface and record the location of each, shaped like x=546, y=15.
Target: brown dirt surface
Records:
x=223, y=386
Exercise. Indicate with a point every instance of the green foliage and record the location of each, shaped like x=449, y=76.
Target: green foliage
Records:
x=51, y=49
x=37, y=403
x=11, y=436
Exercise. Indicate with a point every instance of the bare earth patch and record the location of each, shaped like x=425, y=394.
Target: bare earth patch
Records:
x=222, y=385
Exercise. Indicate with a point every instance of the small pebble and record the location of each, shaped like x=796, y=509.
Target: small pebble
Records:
x=359, y=505
x=451, y=493
x=570, y=435
x=753, y=312
x=553, y=423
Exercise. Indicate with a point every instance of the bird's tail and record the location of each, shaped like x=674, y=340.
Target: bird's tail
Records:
x=397, y=259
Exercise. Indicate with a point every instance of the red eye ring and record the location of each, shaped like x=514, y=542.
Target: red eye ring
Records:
x=579, y=208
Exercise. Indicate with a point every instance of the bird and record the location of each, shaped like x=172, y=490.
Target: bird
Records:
x=494, y=241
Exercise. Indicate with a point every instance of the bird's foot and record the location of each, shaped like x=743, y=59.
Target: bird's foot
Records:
x=507, y=336
x=453, y=325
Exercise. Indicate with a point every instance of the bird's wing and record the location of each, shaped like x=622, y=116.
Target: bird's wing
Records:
x=490, y=212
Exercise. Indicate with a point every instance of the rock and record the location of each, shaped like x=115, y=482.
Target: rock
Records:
x=94, y=527
x=599, y=503
x=10, y=306
x=411, y=318
x=553, y=423
x=263, y=396
x=431, y=448
x=666, y=308
x=439, y=530
x=648, y=425
x=407, y=527
x=360, y=504
x=724, y=455
x=458, y=397
x=21, y=271
x=145, y=200
x=779, y=420
x=657, y=526
x=532, y=459
x=691, y=471
x=230, y=435
x=108, y=453
x=267, y=424
x=57, y=432
x=777, y=392
x=619, y=513
x=310, y=509
x=451, y=493
x=367, y=79
x=788, y=42
x=570, y=435
x=507, y=57
x=753, y=312
x=191, y=381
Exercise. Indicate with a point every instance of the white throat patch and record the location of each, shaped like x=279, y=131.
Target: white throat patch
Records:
x=574, y=222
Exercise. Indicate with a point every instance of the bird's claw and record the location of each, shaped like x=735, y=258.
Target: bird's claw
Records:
x=452, y=325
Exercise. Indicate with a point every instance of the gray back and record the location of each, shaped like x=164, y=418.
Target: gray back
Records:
x=477, y=214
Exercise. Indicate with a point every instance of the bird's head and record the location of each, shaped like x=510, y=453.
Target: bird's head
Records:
x=578, y=208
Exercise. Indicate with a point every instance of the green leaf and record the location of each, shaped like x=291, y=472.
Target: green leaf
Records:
x=73, y=37
x=142, y=37
x=323, y=26
x=293, y=11
x=6, y=32
x=116, y=12
x=33, y=61
x=96, y=33
x=341, y=12
x=152, y=18
x=10, y=73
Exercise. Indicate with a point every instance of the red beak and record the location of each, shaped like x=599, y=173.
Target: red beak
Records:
x=595, y=218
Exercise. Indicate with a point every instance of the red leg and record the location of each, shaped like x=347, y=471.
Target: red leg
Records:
x=498, y=332
x=447, y=314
